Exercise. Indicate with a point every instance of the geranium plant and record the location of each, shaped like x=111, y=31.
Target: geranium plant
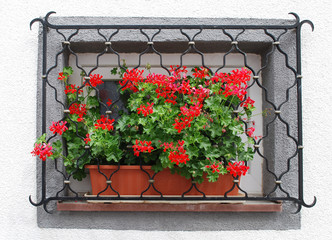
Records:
x=193, y=123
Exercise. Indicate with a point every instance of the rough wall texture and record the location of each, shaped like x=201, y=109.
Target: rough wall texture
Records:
x=19, y=48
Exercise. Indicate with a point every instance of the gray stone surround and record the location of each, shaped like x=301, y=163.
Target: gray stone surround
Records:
x=276, y=147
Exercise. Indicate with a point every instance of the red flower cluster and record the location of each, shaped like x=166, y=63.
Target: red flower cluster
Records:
x=235, y=77
x=72, y=89
x=167, y=91
x=166, y=86
x=237, y=168
x=189, y=115
x=170, y=145
x=185, y=88
x=156, y=79
x=182, y=123
x=61, y=76
x=109, y=102
x=131, y=78
x=42, y=150
x=200, y=94
x=104, y=123
x=219, y=77
x=145, y=110
x=178, y=72
x=79, y=109
x=142, y=147
x=58, y=127
x=87, y=139
x=167, y=146
x=248, y=102
x=215, y=167
x=234, y=90
x=193, y=111
x=95, y=80
x=235, y=84
x=251, y=131
x=178, y=155
x=201, y=73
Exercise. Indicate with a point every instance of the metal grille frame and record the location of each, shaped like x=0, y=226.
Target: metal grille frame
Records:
x=276, y=190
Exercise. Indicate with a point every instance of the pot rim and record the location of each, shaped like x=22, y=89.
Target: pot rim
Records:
x=114, y=167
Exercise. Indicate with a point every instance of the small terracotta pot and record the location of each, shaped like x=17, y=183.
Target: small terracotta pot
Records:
x=132, y=180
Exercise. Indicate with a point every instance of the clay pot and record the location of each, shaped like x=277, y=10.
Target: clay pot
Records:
x=132, y=181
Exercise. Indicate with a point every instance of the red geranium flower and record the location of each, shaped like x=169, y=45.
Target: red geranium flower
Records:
x=104, y=123
x=131, y=78
x=87, y=139
x=215, y=167
x=177, y=154
x=145, y=110
x=251, y=131
x=58, y=127
x=177, y=71
x=109, y=102
x=95, y=80
x=42, y=150
x=248, y=102
x=201, y=73
x=61, y=76
x=72, y=89
x=178, y=157
x=237, y=168
x=142, y=146
x=79, y=109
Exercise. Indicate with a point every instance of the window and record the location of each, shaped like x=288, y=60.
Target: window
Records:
x=279, y=79
x=252, y=182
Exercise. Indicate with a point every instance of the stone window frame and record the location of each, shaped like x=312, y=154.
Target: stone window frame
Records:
x=181, y=221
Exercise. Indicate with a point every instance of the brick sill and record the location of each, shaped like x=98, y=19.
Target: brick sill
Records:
x=167, y=206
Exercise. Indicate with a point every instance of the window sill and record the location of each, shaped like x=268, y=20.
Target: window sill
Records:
x=167, y=206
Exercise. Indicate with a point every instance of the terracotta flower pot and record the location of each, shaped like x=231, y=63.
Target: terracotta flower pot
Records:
x=131, y=180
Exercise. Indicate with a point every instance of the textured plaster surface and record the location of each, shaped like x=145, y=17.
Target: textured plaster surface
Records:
x=19, y=48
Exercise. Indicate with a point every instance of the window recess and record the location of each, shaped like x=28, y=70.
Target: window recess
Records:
x=271, y=52
x=252, y=182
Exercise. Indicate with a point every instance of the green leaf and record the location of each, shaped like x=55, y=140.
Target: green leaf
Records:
x=57, y=149
x=110, y=157
x=192, y=151
x=213, y=153
x=213, y=102
x=164, y=160
x=92, y=101
x=143, y=121
x=157, y=167
x=68, y=71
x=215, y=130
x=237, y=129
x=41, y=139
x=205, y=144
x=213, y=177
x=123, y=123
x=114, y=71
x=149, y=129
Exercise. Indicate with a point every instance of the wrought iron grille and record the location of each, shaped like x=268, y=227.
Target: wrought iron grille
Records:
x=282, y=127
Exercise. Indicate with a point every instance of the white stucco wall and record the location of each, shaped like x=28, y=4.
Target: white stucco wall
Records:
x=18, y=66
